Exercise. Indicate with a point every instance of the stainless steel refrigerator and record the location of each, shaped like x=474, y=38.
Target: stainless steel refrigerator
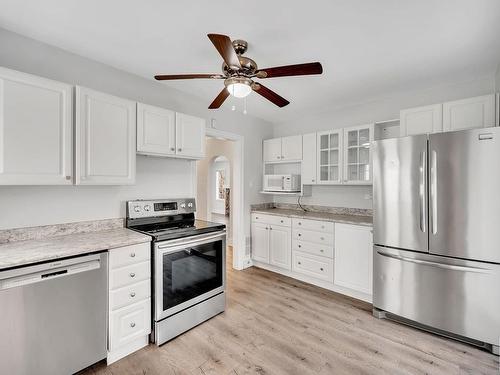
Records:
x=436, y=201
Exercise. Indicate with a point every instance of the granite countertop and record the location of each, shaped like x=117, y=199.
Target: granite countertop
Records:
x=20, y=253
x=315, y=215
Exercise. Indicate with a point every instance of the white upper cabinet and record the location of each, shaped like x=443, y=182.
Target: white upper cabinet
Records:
x=291, y=148
x=189, y=136
x=357, y=156
x=353, y=260
x=105, y=139
x=155, y=130
x=36, y=122
x=329, y=157
x=283, y=149
x=478, y=112
x=309, y=164
x=421, y=120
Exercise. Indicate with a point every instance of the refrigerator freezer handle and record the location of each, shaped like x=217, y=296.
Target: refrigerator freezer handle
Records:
x=423, y=191
x=433, y=191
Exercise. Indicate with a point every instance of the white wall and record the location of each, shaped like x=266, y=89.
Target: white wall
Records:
x=379, y=109
x=39, y=205
x=497, y=79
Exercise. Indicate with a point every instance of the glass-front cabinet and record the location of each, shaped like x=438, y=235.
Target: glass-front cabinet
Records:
x=357, y=154
x=329, y=157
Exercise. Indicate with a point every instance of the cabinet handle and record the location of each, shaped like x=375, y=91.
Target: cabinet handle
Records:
x=132, y=294
x=172, y=148
x=322, y=227
x=300, y=246
x=312, y=180
x=322, y=250
x=68, y=178
x=300, y=235
x=132, y=324
x=300, y=223
x=270, y=228
x=132, y=255
x=256, y=217
x=321, y=268
x=322, y=238
x=267, y=228
x=132, y=274
x=277, y=157
x=299, y=263
x=281, y=221
x=179, y=149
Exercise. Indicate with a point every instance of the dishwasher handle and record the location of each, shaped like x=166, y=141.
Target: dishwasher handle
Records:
x=48, y=271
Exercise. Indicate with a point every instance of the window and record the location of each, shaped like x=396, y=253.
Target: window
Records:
x=220, y=182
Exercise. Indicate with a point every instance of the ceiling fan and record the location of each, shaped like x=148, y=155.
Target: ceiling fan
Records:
x=238, y=72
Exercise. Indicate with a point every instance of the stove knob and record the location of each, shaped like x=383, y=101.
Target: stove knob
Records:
x=190, y=204
x=183, y=205
x=137, y=208
x=147, y=207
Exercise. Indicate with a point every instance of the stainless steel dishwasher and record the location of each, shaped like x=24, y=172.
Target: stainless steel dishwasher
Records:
x=53, y=316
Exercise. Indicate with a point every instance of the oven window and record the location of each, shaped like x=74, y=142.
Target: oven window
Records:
x=191, y=272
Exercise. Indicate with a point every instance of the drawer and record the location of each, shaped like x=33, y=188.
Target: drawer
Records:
x=316, y=225
x=129, y=275
x=313, y=248
x=129, y=294
x=313, y=266
x=271, y=219
x=127, y=255
x=312, y=236
x=129, y=323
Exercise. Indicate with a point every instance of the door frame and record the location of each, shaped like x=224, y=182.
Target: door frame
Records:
x=240, y=259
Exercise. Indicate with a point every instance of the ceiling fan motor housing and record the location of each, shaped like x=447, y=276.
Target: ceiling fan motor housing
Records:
x=248, y=66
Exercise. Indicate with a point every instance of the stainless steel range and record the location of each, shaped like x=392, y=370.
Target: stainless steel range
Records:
x=189, y=270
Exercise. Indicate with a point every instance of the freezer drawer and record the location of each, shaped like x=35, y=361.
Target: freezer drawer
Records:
x=457, y=296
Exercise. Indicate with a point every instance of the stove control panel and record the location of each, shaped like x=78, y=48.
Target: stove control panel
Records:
x=161, y=207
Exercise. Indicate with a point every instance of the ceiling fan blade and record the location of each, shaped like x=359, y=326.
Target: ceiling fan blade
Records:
x=167, y=77
x=225, y=47
x=291, y=70
x=219, y=99
x=269, y=95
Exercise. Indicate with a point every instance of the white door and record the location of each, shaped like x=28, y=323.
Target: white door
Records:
x=421, y=120
x=291, y=148
x=309, y=156
x=260, y=242
x=357, y=155
x=329, y=157
x=353, y=260
x=105, y=139
x=272, y=150
x=478, y=112
x=36, y=137
x=190, y=136
x=155, y=130
x=280, y=248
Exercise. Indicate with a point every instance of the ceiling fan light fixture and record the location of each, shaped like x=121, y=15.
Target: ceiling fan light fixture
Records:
x=239, y=87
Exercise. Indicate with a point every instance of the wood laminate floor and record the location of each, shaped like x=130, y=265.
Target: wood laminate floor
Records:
x=277, y=325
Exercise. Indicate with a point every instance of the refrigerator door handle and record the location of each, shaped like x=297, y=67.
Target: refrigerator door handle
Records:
x=434, y=264
x=433, y=191
x=423, y=191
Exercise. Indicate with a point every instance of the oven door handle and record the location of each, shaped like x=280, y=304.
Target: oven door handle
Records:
x=179, y=244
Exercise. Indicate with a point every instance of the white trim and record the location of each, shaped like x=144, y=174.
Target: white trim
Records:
x=238, y=195
x=127, y=349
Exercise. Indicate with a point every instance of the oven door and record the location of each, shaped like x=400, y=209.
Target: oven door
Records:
x=188, y=271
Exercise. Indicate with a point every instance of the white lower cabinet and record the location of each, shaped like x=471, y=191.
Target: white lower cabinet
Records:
x=331, y=255
x=129, y=300
x=353, y=257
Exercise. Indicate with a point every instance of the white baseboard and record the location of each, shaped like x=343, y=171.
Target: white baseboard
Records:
x=127, y=349
x=310, y=280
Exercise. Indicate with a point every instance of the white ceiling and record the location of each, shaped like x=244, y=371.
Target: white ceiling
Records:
x=367, y=48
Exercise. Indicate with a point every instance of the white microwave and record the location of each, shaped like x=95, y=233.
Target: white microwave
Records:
x=282, y=182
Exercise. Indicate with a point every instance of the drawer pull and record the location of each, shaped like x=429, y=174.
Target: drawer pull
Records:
x=132, y=255
x=322, y=238
x=322, y=250
x=300, y=246
x=322, y=227
x=132, y=294
x=132, y=324
x=132, y=274
x=300, y=223
x=256, y=217
x=299, y=263
x=300, y=235
x=281, y=221
x=321, y=268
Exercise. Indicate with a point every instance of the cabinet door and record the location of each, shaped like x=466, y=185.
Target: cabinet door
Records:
x=35, y=130
x=190, y=136
x=357, y=154
x=280, y=247
x=291, y=148
x=155, y=130
x=421, y=120
x=478, y=112
x=309, y=159
x=329, y=157
x=353, y=260
x=272, y=150
x=105, y=139
x=260, y=242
